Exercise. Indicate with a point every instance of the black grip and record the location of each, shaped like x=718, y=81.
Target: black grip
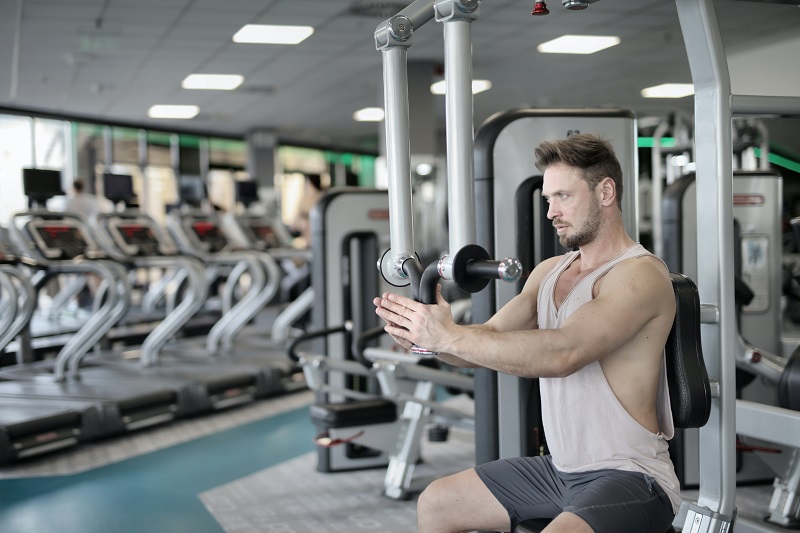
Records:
x=484, y=269
x=361, y=344
x=344, y=328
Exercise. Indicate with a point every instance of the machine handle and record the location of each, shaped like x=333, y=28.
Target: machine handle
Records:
x=471, y=268
x=508, y=270
x=344, y=328
x=361, y=344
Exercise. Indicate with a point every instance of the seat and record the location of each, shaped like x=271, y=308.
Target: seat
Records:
x=689, y=388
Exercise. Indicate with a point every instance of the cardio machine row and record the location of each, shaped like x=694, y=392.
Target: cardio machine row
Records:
x=85, y=392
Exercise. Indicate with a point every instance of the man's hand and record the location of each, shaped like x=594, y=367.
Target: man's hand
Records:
x=410, y=322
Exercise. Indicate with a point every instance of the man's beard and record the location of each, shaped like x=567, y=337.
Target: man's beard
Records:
x=588, y=231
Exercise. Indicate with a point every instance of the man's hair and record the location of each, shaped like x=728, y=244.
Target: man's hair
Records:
x=594, y=157
x=315, y=180
x=78, y=185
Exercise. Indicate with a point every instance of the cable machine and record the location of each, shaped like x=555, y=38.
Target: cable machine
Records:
x=715, y=105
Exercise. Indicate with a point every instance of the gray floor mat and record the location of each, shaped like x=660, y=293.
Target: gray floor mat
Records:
x=294, y=497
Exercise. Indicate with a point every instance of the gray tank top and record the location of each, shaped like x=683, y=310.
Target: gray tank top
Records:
x=586, y=427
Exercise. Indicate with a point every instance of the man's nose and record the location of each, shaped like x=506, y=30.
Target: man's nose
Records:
x=552, y=210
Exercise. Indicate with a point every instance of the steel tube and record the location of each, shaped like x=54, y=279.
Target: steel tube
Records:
x=398, y=151
x=460, y=133
x=770, y=105
x=711, y=80
x=418, y=12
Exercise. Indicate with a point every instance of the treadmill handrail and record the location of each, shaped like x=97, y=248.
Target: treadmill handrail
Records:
x=109, y=313
x=25, y=294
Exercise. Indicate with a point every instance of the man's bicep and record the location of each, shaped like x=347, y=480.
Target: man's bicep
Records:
x=519, y=314
x=627, y=302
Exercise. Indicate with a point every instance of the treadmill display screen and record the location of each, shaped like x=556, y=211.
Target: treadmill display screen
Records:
x=136, y=234
x=265, y=233
x=210, y=234
x=68, y=239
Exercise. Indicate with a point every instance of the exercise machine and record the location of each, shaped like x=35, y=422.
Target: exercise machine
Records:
x=135, y=239
x=715, y=105
x=201, y=235
x=59, y=244
x=348, y=229
x=756, y=209
x=34, y=426
x=374, y=403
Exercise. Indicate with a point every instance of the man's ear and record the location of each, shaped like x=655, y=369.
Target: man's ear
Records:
x=608, y=191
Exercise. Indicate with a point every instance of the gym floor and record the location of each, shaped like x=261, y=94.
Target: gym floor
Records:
x=252, y=467
x=156, y=491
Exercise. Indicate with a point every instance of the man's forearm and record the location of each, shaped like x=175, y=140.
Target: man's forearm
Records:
x=453, y=360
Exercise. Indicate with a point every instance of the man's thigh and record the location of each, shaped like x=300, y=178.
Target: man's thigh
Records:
x=619, y=502
x=528, y=487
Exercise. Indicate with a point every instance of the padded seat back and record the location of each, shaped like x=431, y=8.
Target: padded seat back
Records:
x=689, y=388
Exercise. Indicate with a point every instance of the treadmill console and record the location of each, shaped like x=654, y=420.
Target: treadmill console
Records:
x=7, y=255
x=264, y=234
x=210, y=234
x=135, y=237
x=60, y=239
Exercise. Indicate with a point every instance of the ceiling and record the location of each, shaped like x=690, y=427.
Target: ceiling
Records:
x=110, y=60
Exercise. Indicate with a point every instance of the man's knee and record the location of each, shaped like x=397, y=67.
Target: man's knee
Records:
x=568, y=522
x=432, y=499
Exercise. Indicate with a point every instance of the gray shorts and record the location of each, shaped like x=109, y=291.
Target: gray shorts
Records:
x=610, y=501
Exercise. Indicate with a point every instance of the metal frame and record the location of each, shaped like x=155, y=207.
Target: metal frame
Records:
x=393, y=37
x=714, y=109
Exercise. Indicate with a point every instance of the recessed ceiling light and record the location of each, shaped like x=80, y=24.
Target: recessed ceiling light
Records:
x=369, y=114
x=270, y=34
x=219, y=82
x=424, y=169
x=578, y=44
x=669, y=90
x=173, y=111
x=478, y=86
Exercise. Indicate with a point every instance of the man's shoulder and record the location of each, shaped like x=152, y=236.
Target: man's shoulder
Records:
x=546, y=266
x=646, y=263
x=644, y=272
x=82, y=204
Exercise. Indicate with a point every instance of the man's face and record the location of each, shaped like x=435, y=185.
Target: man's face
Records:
x=573, y=208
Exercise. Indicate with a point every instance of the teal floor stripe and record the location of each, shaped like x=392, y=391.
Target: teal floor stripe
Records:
x=156, y=492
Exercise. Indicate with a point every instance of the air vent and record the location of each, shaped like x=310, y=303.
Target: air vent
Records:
x=377, y=10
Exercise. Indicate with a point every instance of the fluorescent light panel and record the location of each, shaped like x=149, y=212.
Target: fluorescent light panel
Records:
x=478, y=86
x=173, y=111
x=669, y=90
x=578, y=44
x=217, y=82
x=369, y=114
x=271, y=34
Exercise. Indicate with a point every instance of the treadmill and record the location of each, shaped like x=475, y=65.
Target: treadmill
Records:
x=31, y=426
x=58, y=244
x=135, y=239
x=264, y=234
x=202, y=235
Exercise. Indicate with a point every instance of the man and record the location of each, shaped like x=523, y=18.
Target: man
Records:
x=81, y=202
x=592, y=324
x=312, y=192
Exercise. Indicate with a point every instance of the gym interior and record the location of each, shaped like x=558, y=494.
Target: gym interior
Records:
x=199, y=201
